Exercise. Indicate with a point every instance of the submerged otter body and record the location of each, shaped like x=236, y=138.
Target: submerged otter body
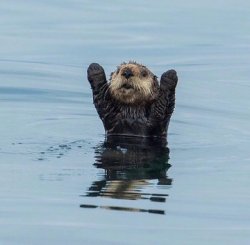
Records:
x=133, y=103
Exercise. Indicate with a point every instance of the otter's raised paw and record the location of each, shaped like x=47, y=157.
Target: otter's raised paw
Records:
x=169, y=79
x=94, y=69
x=96, y=73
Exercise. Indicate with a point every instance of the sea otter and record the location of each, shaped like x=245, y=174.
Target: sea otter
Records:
x=133, y=102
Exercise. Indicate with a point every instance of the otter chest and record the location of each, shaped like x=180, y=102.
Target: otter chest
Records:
x=128, y=121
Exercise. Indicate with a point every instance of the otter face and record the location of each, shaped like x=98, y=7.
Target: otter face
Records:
x=132, y=83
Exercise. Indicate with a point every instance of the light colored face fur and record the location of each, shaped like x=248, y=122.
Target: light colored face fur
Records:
x=132, y=83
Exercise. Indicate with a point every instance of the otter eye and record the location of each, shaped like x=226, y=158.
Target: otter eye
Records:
x=144, y=73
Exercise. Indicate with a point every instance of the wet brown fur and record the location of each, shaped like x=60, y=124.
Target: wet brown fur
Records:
x=143, y=84
x=133, y=103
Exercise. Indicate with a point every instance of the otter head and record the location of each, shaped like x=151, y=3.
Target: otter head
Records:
x=133, y=83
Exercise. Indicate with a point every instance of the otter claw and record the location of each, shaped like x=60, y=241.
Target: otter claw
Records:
x=96, y=74
x=171, y=74
x=169, y=79
x=95, y=69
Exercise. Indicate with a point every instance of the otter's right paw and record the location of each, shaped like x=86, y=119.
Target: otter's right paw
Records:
x=96, y=73
x=95, y=69
x=169, y=79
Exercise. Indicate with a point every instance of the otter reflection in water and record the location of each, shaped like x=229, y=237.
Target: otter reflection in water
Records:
x=131, y=165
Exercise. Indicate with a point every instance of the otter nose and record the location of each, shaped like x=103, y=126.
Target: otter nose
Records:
x=127, y=73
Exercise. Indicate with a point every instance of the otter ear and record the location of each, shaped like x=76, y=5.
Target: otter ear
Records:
x=96, y=75
x=169, y=80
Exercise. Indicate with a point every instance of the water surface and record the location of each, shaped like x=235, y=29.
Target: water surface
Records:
x=62, y=182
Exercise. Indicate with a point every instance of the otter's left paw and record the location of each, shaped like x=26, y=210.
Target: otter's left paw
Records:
x=169, y=79
x=96, y=75
x=94, y=70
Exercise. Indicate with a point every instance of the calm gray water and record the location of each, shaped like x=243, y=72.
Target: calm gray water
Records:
x=60, y=182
